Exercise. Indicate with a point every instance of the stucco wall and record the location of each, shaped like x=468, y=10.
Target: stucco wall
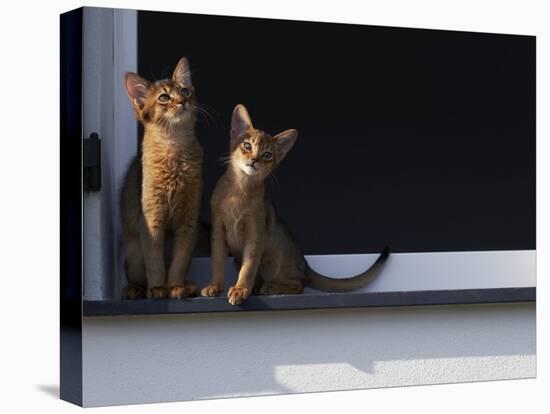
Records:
x=170, y=358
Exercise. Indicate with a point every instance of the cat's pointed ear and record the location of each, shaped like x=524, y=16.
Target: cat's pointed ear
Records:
x=240, y=121
x=284, y=142
x=136, y=88
x=182, y=73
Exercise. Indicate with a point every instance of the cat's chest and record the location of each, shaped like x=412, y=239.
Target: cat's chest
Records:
x=235, y=213
x=234, y=210
x=170, y=171
x=173, y=168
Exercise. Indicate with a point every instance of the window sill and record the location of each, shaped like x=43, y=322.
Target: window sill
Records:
x=311, y=301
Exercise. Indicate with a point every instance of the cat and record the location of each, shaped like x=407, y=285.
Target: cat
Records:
x=162, y=192
x=244, y=223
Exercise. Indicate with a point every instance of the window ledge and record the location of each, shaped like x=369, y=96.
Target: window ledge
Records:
x=311, y=301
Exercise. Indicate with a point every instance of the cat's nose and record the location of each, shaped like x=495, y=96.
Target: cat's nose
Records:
x=254, y=160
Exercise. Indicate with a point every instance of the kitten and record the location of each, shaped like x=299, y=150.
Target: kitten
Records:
x=163, y=188
x=244, y=223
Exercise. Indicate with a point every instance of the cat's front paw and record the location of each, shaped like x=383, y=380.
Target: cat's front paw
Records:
x=156, y=292
x=211, y=290
x=236, y=295
x=180, y=292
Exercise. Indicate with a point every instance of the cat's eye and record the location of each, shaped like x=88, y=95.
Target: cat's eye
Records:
x=267, y=155
x=185, y=92
x=247, y=146
x=164, y=97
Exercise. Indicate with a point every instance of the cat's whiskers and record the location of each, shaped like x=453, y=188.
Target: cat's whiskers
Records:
x=208, y=113
x=205, y=115
x=210, y=109
x=169, y=116
x=163, y=121
x=226, y=159
x=166, y=122
x=273, y=178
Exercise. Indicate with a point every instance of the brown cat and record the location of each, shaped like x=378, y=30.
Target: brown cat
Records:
x=162, y=191
x=245, y=224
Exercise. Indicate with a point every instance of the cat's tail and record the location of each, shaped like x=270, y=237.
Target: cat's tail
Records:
x=328, y=284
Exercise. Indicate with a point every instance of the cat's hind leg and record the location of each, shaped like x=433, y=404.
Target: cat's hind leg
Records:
x=258, y=283
x=135, y=269
x=282, y=287
x=281, y=276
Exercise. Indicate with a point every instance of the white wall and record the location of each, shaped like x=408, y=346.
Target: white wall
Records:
x=412, y=271
x=129, y=360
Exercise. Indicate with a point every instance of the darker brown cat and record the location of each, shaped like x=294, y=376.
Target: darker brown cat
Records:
x=244, y=223
x=162, y=192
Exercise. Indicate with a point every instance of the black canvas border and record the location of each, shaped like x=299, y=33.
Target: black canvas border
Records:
x=71, y=206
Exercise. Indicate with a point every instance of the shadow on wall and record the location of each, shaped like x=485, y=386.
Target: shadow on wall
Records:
x=51, y=390
x=168, y=358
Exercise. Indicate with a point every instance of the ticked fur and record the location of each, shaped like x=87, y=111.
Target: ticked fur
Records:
x=244, y=223
x=162, y=191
